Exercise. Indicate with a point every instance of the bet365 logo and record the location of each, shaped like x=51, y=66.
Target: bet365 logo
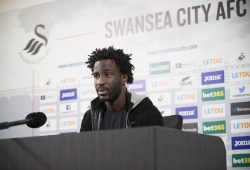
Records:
x=214, y=127
x=213, y=94
x=241, y=160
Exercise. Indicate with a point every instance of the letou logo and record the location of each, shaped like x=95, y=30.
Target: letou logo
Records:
x=159, y=83
x=159, y=68
x=68, y=94
x=68, y=80
x=241, y=108
x=240, y=125
x=241, y=160
x=212, y=61
x=240, y=142
x=34, y=51
x=187, y=112
x=213, y=94
x=213, y=77
x=240, y=75
x=68, y=123
x=87, y=90
x=214, y=127
x=49, y=110
x=186, y=96
x=213, y=110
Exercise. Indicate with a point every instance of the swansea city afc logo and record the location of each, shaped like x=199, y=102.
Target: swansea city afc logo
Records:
x=36, y=48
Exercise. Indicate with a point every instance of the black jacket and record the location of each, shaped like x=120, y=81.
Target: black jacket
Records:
x=140, y=112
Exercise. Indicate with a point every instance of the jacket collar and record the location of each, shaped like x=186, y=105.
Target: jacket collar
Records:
x=132, y=100
x=98, y=106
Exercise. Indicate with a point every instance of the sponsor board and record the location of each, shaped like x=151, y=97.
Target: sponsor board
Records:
x=68, y=123
x=87, y=91
x=240, y=142
x=68, y=80
x=190, y=127
x=185, y=81
x=50, y=125
x=161, y=99
x=240, y=75
x=137, y=86
x=241, y=58
x=184, y=64
x=240, y=108
x=240, y=91
x=161, y=83
x=68, y=108
x=140, y=71
x=186, y=96
x=49, y=110
x=216, y=127
x=159, y=68
x=187, y=112
x=68, y=94
x=240, y=125
x=48, y=98
x=165, y=111
x=212, y=94
x=241, y=160
x=212, y=61
x=213, y=77
x=213, y=110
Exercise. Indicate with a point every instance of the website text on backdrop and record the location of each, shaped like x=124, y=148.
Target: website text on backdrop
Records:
x=115, y=107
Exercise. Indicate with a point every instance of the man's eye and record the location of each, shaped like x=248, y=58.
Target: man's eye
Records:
x=107, y=74
x=96, y=76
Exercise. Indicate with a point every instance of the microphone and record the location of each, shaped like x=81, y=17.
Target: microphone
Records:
x=32, y=120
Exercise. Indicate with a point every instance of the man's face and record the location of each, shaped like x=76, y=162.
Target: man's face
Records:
x=107, y=80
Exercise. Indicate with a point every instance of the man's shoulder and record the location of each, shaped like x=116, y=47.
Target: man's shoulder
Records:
x=136, y=98
x=140, y=101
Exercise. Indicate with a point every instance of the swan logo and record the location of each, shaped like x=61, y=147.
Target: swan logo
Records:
x=34, y=45
x=241, y=58
x=35, y=50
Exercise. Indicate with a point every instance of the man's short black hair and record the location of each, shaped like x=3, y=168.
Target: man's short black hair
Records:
x=122, y=60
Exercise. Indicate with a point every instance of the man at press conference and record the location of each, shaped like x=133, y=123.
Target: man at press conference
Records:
x=115, y=107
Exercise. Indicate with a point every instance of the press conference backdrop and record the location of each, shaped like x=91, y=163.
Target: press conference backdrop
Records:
x=191, y=58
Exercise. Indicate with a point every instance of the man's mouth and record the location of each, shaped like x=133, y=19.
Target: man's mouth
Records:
x=102, y=91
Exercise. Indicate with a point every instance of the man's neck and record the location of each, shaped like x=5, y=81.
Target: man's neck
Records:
x=119, y=103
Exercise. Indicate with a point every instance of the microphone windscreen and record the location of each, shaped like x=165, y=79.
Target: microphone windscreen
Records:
x=37, y=119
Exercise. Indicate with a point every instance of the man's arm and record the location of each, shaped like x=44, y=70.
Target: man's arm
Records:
x=153, y=116
x=145, y=114
x=86, y=122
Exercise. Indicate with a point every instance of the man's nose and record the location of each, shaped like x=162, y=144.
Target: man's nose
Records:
x=101, y=80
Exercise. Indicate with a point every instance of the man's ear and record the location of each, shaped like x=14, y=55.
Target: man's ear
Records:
x=124, y=78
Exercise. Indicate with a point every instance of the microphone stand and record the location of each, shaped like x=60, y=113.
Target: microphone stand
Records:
x=6, y=125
